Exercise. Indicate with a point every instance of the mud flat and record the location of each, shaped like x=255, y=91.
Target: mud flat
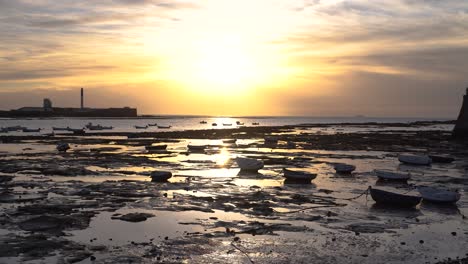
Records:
x=96, y=203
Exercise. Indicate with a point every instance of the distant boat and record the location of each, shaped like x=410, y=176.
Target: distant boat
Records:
x=441, y=158
x=60, y=128
x=239, y=123
x=271, y=140
x=415, y=159
x=255, y=123
x=439, y=195
x=14, y=128
x=62, y=147
x=247, y=164
x=392, y=175
x=394, y=199
x=344, y=168
x=164, y=127
x=296, y=175
x=203, y=122
x=31, y=130
x=196, y=147
x=154, y=124
x=156, y=147
x=229, y=141
x=160, y=176
x=227, y=124
x=214, y=124
x=98, y=127
x=141, y=127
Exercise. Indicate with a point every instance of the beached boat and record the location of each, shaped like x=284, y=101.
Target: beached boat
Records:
x=154, y=124
x=344, y=168
x=392, y=175
x=415, y=159
x=99, y=127
x=247, y=164
x=214, y=124
x=224, y=124
x=31, y=130
x=271, y=140
x=239, y=123
x=296, y=175
x=160, y=176
x=255, y=124
x=229, y=141
x=439, y=195
x=141, y=127
x=394, y=199
x=203, y=122
x=62, y=147
x=156, y=147
x=164, y=127
x=60, y=128
x=196, y=147
x=441, y=158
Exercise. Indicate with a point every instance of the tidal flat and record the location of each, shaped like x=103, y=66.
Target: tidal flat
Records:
x=96, y=203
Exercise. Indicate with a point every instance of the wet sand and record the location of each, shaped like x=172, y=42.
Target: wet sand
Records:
x=96, y=203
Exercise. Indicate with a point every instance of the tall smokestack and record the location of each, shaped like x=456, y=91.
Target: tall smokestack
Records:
x=82, y=98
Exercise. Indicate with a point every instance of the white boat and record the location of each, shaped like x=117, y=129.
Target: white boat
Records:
x=415, y=159
x=141, y=127
x=439, y=195
x=297, y=175
x=392, y=175
x=344, y=168
x=247, y=164
x=62, y=147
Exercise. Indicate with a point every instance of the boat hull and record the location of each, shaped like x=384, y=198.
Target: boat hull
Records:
x=438, y=196
x=394, y=199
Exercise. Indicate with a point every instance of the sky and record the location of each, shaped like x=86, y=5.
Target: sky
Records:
x=399, y=58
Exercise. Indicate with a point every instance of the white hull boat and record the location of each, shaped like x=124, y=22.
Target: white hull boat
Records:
x=415, y=159
x=247, y=164
x=439, y=195
x=392, y=175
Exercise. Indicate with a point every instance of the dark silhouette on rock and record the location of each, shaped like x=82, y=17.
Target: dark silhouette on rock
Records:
x=461, y=126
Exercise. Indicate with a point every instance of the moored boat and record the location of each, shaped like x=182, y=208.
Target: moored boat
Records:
x=203, y=122
x=344, y=168
x=141, y=127
x=229, y=141
x=437, y=195
x=296, y=175
x=248, y=164
x=60, y=128
x=255, y=123
x=415, y=159
x=441, y=158
x=63, y=147
x=31, y=130
x=164, y=127
x=160, y=176
x=224, y=124
x=196, y=147
x=394, y=199
x=392, y=175
x=214, y=124
x=154, y=124
x=156, y=147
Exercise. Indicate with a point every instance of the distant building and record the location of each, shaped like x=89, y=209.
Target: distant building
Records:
x=461, y=127
x=47, y=105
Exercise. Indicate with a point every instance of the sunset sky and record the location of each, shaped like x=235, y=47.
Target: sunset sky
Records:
x=401, y=58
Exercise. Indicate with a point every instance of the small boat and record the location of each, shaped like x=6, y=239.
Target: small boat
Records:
x=392, y=175
x=31, y=130
x=296, y=175
x=203, y=122
x=247, y=164
x=63, y=147
x=439, y=195
x=214, y=124
x=196, y=147
x=441, y=158
x=255, y=124
x=394, y=199
x=154, y=124
x=141, y=127
x=271, y=140
x=227, y=124
x=164, y=127
x=344, y=168
x=99, y=127
x=229, y=141
x=60, y=128
x=156, y=147
x=77, y=131
x=239, y=123
x=160, y=176
x=415, y=159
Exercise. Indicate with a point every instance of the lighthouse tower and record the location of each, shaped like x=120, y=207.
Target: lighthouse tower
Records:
x=461, y=126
